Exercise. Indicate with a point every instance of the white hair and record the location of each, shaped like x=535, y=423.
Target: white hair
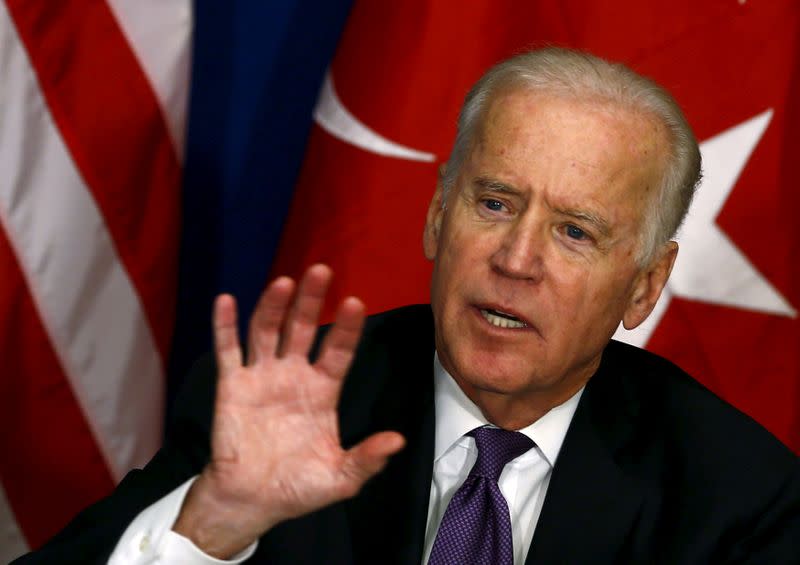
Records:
x=575, y=74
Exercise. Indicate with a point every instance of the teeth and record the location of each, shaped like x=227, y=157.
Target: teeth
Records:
x=500, y=321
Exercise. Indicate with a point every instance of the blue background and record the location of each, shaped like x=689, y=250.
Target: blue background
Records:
x=256, y=70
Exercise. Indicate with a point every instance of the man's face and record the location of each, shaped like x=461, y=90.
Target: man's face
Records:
x=536, y=251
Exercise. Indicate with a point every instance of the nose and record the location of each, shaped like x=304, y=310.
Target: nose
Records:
x=520, y=253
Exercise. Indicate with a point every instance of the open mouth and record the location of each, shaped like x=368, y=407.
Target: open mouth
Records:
x=502, y=319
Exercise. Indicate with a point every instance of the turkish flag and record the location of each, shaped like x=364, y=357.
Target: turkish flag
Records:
x=386, y=120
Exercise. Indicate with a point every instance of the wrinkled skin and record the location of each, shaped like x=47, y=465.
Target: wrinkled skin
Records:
x=543, y=223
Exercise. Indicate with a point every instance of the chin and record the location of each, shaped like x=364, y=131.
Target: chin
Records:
x=492, y=373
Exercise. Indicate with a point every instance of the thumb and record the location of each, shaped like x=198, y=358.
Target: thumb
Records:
x=367, y=458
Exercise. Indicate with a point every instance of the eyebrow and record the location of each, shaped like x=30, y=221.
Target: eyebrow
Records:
x=600, y=223
x=597, y=221
x=495, y=185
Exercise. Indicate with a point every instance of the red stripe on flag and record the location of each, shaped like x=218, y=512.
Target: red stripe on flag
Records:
x=93, y=85
x=47, y=474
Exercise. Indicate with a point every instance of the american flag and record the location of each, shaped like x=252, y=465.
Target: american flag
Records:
x=93, y=98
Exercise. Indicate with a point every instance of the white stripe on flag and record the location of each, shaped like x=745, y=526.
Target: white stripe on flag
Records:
x=84, y=296
x=158, y=32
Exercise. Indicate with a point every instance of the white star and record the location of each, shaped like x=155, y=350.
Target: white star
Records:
x=710, y=268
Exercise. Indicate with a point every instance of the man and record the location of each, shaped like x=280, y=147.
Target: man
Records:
x=550, y=225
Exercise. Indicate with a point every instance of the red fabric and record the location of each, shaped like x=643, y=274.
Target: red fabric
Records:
x=50, y=465
x=109, y=118
x=108, y=115
x=403, y=69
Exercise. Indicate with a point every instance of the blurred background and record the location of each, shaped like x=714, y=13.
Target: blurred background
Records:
x=154, y=153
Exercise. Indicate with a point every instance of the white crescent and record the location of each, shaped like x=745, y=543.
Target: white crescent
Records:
x=333, y=117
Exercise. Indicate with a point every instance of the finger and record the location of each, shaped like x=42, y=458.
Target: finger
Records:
x=301, y=327
x=368, y=458
x=340, y=344
x=266, y=322
x=227, y=350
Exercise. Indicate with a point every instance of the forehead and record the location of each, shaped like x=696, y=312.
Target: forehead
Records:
x=577, y=153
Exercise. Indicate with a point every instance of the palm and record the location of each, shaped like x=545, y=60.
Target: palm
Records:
x=276, y=452
x=283, y=428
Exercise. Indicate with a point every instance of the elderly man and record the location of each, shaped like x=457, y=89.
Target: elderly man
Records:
x=501, y=425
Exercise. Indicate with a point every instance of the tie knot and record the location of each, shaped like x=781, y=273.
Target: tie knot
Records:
x=497, y=447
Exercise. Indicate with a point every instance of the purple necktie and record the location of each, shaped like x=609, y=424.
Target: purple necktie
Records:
x=476, y=527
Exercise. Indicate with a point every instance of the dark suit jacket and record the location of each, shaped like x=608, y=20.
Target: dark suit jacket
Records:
x=654, y=469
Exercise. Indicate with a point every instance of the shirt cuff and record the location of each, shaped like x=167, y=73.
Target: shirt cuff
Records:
x=150, y=539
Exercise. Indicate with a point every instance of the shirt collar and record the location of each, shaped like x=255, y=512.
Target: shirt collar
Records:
x=456, y=415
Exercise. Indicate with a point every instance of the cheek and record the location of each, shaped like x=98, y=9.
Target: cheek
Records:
x=458, y=251
x=585, y=297
x=572, y=287
x=447, y=270
x=609, y=300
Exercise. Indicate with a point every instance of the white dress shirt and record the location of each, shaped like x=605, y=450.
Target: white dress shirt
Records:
x=524, y=480
x=149, y=537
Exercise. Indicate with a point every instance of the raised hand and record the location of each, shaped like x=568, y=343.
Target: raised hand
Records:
x=275, y=447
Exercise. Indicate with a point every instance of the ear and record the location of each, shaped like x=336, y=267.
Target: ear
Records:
x=433, y=221
x=648, y=286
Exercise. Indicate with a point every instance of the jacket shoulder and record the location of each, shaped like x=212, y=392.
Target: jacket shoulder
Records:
x=706, y=465
x=668, y=400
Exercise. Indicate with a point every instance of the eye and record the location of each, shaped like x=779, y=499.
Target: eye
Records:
x=493, y=205
x=574, y=232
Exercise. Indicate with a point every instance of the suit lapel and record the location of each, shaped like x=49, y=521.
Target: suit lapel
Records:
x=388, y=518
x=592, y=504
